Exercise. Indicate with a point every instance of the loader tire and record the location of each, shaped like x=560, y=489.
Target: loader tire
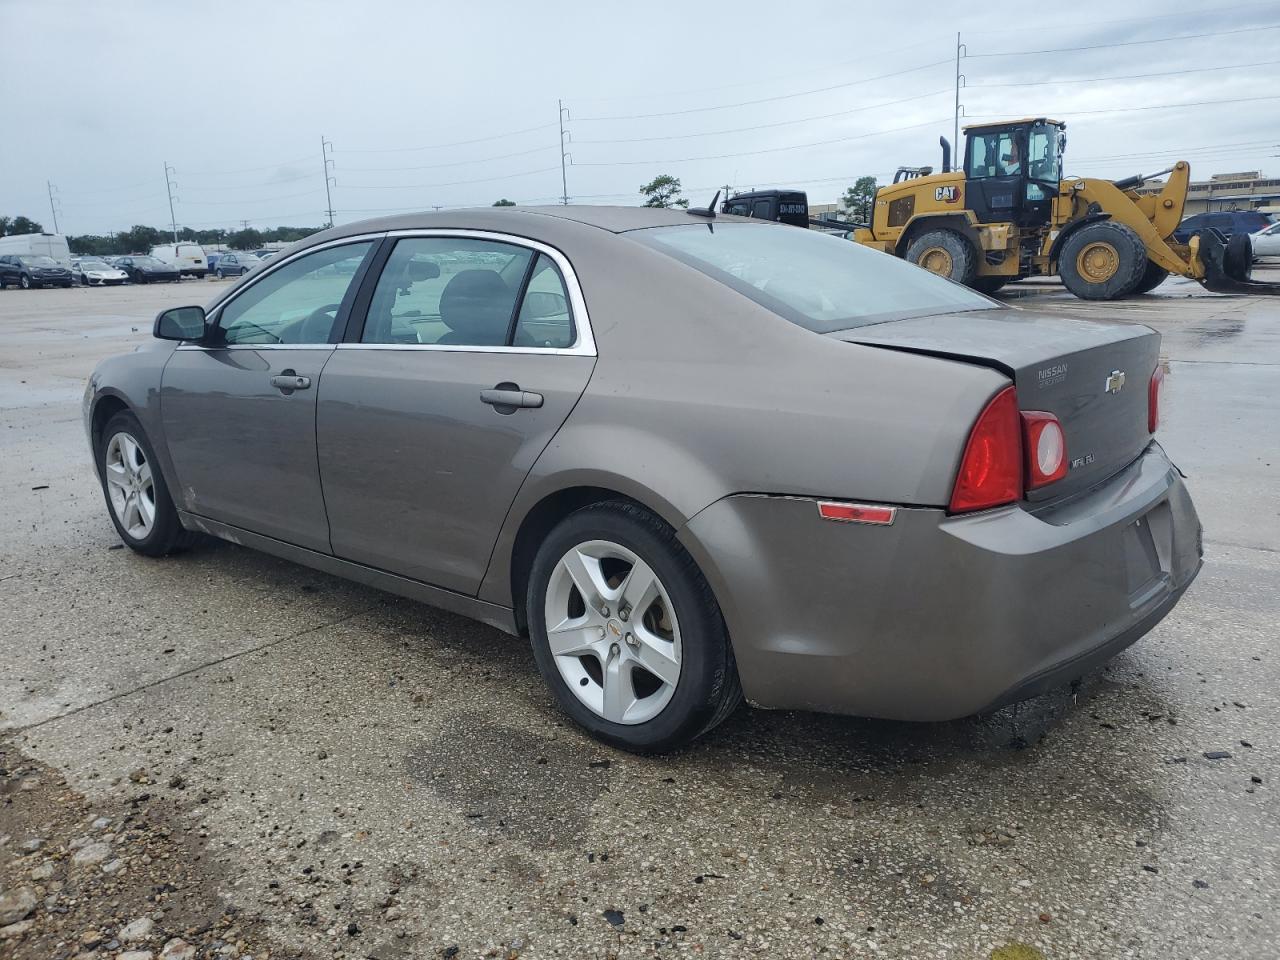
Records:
x=988, y=285
x=946, y=253
x=1152, y=278
x=1238, y=260
x=1103, y=261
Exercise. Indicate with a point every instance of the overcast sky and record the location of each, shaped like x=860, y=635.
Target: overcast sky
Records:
x=454, y=104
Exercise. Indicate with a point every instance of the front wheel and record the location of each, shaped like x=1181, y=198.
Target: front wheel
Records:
x=135, y=491
x=1152, y=277
x=1105, y=260
x=25, y=282
x=946, y=253
x=626, y=631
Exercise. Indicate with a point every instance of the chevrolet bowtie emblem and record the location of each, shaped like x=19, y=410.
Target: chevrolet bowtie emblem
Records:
x=1115, y=382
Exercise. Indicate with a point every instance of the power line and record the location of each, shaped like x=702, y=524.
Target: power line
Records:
x=456, y=163
x=455, y=183
x=1157, y=106
x=1132, y=76
x=767, y=126
x=458, y=143
x=784, y=96
x=1123, y=43
x=754, y=153
x=228, y=173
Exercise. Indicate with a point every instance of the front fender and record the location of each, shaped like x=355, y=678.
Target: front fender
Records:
x=132, y=379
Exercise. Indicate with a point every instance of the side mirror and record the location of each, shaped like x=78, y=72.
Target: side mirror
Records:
x=180, y=323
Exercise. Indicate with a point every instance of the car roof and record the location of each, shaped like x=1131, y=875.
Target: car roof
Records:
x=527, y=219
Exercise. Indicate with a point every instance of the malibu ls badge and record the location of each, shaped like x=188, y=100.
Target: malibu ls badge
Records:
x=1115, y=382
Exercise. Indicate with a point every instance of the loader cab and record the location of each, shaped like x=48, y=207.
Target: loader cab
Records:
x=1013, y=170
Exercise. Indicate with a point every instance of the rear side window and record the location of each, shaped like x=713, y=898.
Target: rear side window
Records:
x=545, y=319
x=817, y=281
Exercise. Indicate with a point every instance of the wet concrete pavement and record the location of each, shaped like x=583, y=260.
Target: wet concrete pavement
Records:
x=359, y=759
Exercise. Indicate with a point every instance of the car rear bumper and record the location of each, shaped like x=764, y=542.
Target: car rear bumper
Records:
x=936, y=617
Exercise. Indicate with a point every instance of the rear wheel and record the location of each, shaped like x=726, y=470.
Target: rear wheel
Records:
x=946, y=253
x=1102, y=261
x=988, y=285
x=1151, y=278
x=1238, y=260
x=135, y=491
x=626, y=631
x=220, y=274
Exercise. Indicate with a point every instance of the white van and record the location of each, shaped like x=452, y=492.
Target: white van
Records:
x=38, y=245
x=189, y=258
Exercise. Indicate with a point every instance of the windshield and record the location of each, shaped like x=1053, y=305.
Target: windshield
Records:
x=93, y=265
x=1042, y=153
x=817, y=281
x=39, y=262
x=148, y=262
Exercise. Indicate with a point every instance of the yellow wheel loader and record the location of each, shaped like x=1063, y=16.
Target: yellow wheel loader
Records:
x=1007, y=213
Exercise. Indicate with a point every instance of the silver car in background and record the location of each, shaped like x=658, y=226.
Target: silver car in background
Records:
x=692, y=458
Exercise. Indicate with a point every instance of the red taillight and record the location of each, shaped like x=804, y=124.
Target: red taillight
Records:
x=1046, y=447
x=856, y=512
x=1153, y=399
x=991, y=468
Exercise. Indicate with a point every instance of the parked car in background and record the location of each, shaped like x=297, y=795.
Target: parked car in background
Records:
x=930, y=506
x=1226, y=222
x=1266, y=242
x=264, y=255
x=93, y=272
x=32, y=271
x=143, y=269
x=235, y=264
x=189, y=258
x=212, y=259
x=51, y=245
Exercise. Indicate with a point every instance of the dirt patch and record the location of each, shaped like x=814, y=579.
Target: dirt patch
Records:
x=81, y=880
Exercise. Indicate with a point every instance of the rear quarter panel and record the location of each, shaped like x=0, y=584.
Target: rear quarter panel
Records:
x=699, y=393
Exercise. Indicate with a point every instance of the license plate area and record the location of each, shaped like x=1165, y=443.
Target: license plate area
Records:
x=1148, y=552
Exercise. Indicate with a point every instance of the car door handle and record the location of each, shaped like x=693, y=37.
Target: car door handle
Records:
x=511, y=397
x=290, y=381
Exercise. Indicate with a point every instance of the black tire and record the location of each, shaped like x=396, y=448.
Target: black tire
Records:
x=25, y=282
x=988, y=285
x=67, y=285
x=708, y=689
x=220, y=274
x=167, y=534
x=1152, y=277
x=1112, y=242
x=1238, y=259
x=959, y=253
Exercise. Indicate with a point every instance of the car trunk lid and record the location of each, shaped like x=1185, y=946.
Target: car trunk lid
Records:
x=1092, y=376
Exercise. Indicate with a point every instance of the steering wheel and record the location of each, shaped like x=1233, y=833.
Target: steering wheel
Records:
x=310, y=325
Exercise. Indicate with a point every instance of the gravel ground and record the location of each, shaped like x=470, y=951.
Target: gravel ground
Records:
x=320, y=770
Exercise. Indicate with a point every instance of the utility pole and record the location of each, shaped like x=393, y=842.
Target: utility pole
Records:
x=564, y=182
x=52, y=206
x=961, y=51
x=169, y=185
x=326, y=148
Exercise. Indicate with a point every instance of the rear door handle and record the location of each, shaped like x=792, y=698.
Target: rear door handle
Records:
x=289, y=381
x=511, y=397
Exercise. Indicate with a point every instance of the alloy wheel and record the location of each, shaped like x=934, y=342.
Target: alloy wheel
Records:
x=130, y=485
x=612, y=631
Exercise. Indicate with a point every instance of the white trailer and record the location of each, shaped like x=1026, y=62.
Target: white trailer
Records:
x=38, y=245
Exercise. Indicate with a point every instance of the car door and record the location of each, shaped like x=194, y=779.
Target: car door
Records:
x=1267, y=242
x=239, y=408
x=8, y=272
x=420, y=454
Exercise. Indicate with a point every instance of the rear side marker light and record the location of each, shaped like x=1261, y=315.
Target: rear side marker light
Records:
x=1046, y=448
x=1153, y=399
x=991, y=469
x=856, y=513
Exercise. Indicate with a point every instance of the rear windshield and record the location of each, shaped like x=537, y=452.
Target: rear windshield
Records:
x=817, y=281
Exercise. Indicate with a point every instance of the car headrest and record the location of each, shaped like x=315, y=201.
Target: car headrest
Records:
x=476, y=307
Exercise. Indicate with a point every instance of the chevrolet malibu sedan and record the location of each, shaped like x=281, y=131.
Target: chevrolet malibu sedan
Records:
x=694, y=459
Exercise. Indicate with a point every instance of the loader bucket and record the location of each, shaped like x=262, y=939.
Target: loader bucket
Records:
x=1228, y=264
